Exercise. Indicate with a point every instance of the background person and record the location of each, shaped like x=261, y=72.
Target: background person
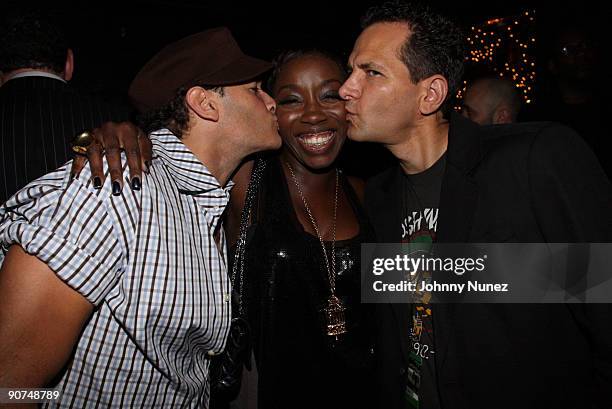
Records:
x=491, y=101
x=40, y=112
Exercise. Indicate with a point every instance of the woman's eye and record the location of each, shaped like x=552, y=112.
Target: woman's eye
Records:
x=332, y=96
x=288, y=101
x=255, y=90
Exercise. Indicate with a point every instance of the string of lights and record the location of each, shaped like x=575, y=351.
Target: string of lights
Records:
x=506, y=47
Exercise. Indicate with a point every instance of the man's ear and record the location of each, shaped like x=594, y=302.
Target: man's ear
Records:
x=435, y=90
x=203, y=103
x=69, y=65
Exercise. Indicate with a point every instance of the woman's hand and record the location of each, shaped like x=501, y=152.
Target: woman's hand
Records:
x=109, y=139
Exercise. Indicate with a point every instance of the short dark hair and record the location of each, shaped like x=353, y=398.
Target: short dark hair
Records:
x=29, y=39
x=286, y=56
x=504, y=90
x=436, y=45
x=174, y=115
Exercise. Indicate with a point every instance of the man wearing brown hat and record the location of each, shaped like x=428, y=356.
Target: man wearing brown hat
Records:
x=120, y=300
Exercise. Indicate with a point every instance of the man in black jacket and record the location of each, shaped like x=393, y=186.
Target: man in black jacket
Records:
x=458, y=182
x=39, y=112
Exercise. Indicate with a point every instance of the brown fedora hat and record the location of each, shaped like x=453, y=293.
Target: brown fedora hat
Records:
x=211, y=57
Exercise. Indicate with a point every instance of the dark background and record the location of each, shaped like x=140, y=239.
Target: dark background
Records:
x=112, y=40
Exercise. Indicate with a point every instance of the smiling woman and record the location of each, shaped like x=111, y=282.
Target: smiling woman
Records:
x=309, y=108
x=312, y=336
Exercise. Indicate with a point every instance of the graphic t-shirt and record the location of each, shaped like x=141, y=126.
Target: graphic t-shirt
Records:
x=421, y=197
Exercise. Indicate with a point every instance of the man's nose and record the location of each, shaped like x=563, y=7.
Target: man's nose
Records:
x=269, y=101
x=350, y=89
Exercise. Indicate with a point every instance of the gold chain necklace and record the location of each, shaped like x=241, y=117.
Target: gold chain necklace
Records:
x=334, y=310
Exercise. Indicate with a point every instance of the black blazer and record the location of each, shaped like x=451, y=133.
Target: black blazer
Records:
x=531, y=182
x=39, y=116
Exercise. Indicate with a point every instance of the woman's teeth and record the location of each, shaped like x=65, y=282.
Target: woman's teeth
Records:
x=317, y=139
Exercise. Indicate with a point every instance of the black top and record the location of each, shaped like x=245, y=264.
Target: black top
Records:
x=298, y=364
x=421, y=198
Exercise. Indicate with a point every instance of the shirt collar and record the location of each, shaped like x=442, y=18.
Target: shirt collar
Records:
x=191, y=176
x=35, y=73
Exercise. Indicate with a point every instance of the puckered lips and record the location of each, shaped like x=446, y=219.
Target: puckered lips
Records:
x=317, y=141
x=350, y=115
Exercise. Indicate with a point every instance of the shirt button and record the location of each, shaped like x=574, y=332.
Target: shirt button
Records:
x=211, y=353
x=226, y=298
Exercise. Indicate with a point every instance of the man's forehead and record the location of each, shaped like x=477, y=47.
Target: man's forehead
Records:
x=380, y=41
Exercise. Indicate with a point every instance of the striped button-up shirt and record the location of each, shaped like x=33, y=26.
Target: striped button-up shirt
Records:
x=149, y=262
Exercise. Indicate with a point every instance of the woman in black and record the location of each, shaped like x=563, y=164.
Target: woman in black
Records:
x=305, y=204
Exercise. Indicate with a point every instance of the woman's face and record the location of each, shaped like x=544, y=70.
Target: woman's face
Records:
x=311, y=115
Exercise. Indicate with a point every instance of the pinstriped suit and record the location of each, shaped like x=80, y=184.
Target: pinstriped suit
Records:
x=38, y=117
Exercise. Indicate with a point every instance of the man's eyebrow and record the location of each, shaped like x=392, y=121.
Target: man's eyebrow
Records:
x=370, y=66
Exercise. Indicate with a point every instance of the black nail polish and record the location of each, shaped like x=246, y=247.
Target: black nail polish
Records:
x=116, y=188
x=136, y=183
x=97, y=183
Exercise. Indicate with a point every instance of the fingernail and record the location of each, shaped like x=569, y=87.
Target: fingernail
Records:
x=97, y=182
x=136, y=183
x=116, y=188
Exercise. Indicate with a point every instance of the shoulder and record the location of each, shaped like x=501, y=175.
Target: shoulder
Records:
x=526, y=134
x=69, y=204
x=57, y=192
x=538, y=153
x=43, y=192
x=73, y=228
x=532, y=141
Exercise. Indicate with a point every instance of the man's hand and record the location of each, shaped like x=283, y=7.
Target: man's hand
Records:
x=41, y=319
x=109, y=139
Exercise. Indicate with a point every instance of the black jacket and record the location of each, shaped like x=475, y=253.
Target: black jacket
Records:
x=39, y=116
x=532, y=182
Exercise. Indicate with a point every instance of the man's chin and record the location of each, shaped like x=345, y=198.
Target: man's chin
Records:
x=354, y=134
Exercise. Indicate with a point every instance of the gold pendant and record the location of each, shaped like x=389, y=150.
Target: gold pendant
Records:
x=334, y=316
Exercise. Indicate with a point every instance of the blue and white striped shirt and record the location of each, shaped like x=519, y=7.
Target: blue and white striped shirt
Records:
x=147, y=260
